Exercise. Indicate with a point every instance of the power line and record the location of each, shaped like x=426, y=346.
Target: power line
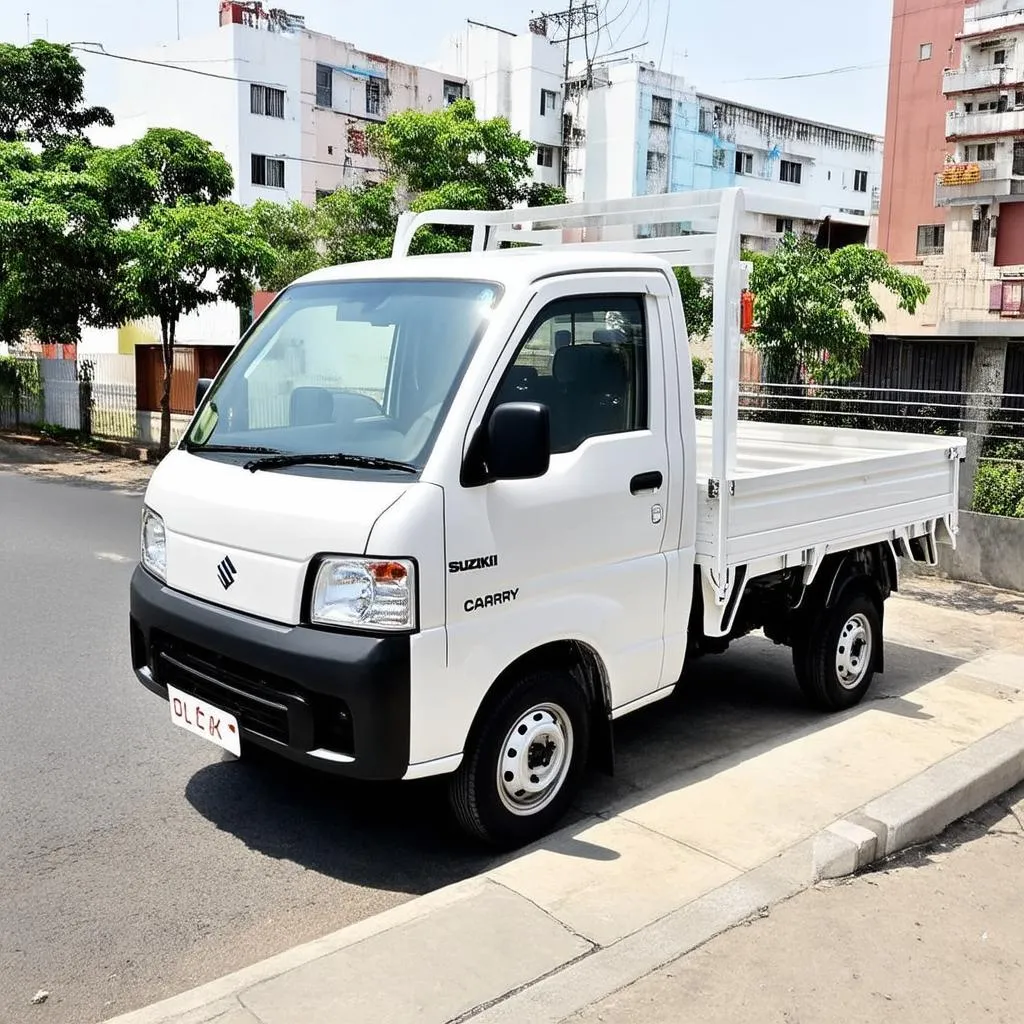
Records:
x=102, y=52
x=812, y=74
x=664, y=35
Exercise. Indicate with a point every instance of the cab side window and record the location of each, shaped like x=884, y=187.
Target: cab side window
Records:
x=584, y=358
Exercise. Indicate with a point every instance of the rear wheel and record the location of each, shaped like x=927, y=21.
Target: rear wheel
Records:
x=835, y=661
x=524, y=761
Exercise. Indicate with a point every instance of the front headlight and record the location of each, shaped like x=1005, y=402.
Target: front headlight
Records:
x=154, y=544
x=365, y=593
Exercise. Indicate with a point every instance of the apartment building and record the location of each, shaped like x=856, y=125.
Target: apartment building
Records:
x=288, y=106
x=964, y=228
x=633, y=130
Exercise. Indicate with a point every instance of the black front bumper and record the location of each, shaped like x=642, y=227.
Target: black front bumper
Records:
x=338, y=702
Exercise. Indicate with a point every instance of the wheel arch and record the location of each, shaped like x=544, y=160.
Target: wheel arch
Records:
x=586, y=666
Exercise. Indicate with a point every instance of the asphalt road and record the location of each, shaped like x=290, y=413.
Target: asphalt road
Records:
x=134, y=863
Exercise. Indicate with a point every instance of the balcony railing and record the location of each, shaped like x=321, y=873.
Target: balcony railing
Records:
x=960, y=125
x=997, y=181
x=993, y=16
x=991, y=77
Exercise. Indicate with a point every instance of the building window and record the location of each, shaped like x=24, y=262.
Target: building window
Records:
x=790, y=171
x=267, y=170
x=373, y=96
x=984, y=106
x=983, y=153
x=783, y=225
x=999, y=57
x=548, y=101
x=656, y=162
x=585, y=358
x=661, y=110
x=968, y=108
x=931, y=239
x=980, y=230
x=266, y=101
x=545, y=156
x=452, y=91
x=324, y=86
x=925, y=53
x=860, y=181
x=718, y=158
x=744, y=163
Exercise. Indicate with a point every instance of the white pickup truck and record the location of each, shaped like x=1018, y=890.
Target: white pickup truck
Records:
x=456, y=514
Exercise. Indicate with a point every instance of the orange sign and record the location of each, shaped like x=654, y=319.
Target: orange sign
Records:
x=961, y=174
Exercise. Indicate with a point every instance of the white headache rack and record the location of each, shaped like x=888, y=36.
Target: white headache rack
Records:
x=697, y=230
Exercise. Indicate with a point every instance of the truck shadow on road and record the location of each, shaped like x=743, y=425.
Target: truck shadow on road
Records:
x=398, y=837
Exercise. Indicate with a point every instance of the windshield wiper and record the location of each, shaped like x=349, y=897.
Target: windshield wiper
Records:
x=329, y=459
x=247, y=449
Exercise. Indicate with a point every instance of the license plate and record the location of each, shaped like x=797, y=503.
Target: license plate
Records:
x=204, y=720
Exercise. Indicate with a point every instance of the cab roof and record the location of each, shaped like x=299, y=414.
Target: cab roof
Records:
x=508, y=267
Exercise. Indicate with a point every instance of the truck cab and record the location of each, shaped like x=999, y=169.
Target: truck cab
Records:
x=454, y=515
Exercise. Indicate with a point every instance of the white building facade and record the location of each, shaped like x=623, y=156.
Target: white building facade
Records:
x=287, y=106
x=633, y=130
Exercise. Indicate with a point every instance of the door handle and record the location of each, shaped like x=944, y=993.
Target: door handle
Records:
x=645, y=482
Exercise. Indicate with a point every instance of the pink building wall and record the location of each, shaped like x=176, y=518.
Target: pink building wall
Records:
x=915, y=129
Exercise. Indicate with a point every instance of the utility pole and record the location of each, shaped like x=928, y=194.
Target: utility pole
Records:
x=576, y=22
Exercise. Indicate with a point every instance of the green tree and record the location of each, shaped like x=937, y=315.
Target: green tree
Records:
x=179, y=258
x=814, y=308
x=697, y=302
x=449, y=147
x=57, y=259
x=358, y=223
x=166, y=166
x=42, y=86
x=291, y=230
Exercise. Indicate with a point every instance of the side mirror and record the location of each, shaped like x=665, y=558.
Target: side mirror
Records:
x=519, y=441
x=202, y=386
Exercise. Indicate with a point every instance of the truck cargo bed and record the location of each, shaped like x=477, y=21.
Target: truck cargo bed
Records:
x=796, y=489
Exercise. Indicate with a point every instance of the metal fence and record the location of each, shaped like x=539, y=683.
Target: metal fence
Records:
x=999, y=417
x=93, y=395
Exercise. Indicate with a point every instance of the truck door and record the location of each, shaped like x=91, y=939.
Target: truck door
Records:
x=578, y=553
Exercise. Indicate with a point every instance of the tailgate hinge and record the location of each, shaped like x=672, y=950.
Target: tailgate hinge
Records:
x=715, y=488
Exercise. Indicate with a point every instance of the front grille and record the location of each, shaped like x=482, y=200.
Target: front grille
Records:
x=262, y=703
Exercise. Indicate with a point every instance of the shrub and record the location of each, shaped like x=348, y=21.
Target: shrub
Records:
x=999, y=489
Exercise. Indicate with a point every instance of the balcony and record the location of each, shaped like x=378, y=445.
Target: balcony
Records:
x=984, y=123
x=976, y=79
x=996, y=182
x=990, y=16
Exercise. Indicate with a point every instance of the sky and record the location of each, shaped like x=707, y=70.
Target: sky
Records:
x=746, y=50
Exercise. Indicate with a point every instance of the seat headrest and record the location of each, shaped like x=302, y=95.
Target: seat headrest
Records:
x=593, y=367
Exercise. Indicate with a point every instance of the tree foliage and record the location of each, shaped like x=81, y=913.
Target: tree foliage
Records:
x=57, y=263
x=42, y=90
x=482, y=165
x=179, y=258
x=697, y=302
x=814, y=308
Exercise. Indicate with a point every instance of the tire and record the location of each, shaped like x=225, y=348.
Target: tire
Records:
x=550, y=711
x=835, y=662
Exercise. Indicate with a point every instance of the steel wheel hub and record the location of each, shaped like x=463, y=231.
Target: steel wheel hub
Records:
x=853, y=652
x=535, y=759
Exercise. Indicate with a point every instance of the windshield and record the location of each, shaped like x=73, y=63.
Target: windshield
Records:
x=363, y=368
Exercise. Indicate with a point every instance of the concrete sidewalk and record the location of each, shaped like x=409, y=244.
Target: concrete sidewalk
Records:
x=641, y=882
x=931, y=936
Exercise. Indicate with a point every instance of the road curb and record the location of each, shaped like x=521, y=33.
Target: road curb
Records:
x=912, y=812
x=134, y=452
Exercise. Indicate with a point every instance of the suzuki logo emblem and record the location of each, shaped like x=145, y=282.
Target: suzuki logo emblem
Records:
x=227, y=572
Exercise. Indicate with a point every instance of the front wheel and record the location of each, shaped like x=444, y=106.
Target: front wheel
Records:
x=524, y=762
x=835, y=662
